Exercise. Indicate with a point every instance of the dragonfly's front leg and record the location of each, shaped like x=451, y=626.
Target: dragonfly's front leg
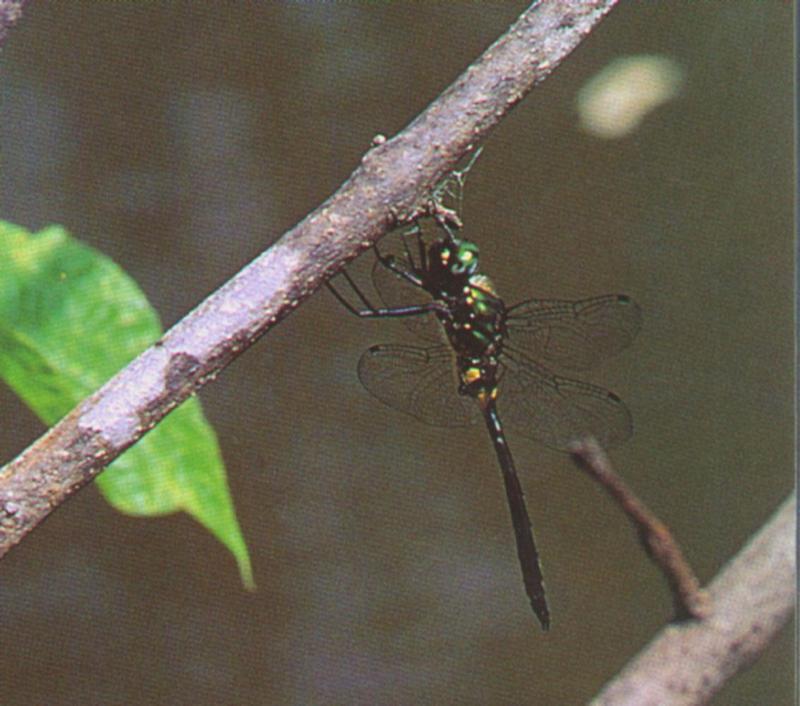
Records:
x=390, y=263
x=422, y=250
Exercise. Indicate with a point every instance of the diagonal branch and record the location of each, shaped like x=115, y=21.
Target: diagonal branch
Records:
x=391, y=186
x=689, y=599
x=753, y=596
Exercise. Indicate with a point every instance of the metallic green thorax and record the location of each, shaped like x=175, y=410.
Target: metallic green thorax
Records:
x=474, y=321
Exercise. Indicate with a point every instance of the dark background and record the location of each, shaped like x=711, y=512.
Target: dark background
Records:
x=182, y=139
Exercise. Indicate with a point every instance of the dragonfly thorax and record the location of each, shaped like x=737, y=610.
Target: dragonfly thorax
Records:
x=473, y=317
x=474, y=322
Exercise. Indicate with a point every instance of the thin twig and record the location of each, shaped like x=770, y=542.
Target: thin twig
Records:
x=754, y=597
x=393, y=184
x=689, y=599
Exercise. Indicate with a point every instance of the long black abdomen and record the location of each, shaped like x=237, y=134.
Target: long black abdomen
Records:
x=526, y=546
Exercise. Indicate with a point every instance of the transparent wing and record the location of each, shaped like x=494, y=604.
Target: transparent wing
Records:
x=573, y=335
x=421, y=382
x=555, y=410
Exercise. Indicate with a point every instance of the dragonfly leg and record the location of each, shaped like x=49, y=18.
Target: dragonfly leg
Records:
x=446, y=228
x=422, y=250
x=371, y=311
x=390, y=263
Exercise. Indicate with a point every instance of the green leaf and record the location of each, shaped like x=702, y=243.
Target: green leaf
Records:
x=70, y=318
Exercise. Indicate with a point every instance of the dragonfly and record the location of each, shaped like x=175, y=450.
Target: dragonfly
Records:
x=482, y=352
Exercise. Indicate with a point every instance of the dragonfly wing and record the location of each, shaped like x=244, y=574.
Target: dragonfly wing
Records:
x=556, y=411
x=419, y=381
x=573, y=335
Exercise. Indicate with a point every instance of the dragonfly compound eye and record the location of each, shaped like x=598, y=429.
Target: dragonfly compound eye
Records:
x=466, y=261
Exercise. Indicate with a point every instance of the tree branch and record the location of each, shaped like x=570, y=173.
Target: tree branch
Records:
x=753, y=597
x=689, y=599
x=392, y=185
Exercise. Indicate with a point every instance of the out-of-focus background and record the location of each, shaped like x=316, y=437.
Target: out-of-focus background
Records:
x=182, y=139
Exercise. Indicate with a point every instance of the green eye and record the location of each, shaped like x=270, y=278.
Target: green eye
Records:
x=466, y=258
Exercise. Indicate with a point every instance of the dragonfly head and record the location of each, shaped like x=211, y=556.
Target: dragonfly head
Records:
x=457, y=256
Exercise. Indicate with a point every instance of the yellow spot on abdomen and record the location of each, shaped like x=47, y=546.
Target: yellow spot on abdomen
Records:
x=471, y=375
